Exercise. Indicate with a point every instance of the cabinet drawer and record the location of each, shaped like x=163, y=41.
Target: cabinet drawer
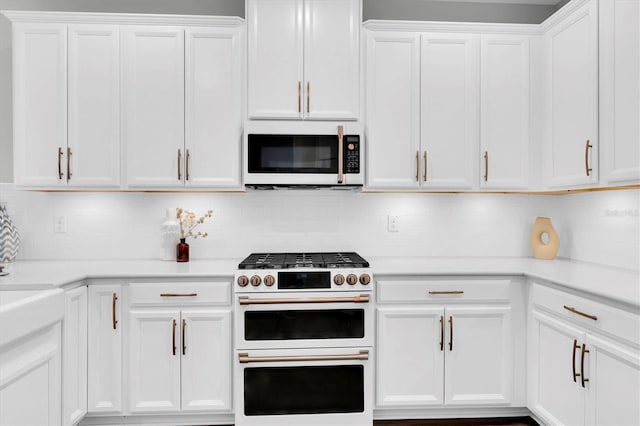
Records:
x=436, y=290
x=588, y=313
x=180, y=293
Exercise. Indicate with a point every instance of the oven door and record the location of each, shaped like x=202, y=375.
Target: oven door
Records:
x=310, y=387
x=299, y=320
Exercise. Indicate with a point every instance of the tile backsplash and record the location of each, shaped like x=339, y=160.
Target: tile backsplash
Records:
x=599, y=227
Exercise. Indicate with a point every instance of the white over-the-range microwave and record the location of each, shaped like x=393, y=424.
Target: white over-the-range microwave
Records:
x=303, y=154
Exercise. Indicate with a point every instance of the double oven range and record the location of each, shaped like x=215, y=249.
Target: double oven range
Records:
x=303, y=340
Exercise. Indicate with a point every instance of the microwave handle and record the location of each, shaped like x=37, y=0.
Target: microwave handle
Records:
x=340, y=154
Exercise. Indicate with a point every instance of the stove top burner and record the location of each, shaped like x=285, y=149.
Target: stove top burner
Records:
x=303, y=260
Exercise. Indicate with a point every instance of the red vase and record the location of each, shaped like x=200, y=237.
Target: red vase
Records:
x=182, y=251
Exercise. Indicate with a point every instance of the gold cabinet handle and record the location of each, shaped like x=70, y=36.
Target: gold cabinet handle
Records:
x=114, y=299
x=244, y=358
x=582, y=314
x=173, y=336
x=299, y=96
x=486, y=166
x=184, y=337
x=439, y=292
x=587, y=147
x=179, y=165
x=450, y=333
x=178, y=294
x=308, y=97
x=68, y=163
x=442, y=332
x=186, y=168
x=424, y=171
x=245, y=300
x=340, y=154
x=417, y=166
x=60, y=174
x=582, y=378
x=573, y=359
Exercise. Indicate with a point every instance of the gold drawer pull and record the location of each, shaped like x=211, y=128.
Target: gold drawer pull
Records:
x=577, y=312
x=244, y=358
x=441, y=292
x=178, y=294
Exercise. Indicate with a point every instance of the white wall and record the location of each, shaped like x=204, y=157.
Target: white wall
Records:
x=127, y=225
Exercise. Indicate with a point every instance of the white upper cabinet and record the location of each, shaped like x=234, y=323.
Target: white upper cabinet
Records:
x=213, y=106
x=40, y=104
x=573, y=50
x=504, y=111
x=619, y=33
x=94, y=106
x=449, y=110
x=153, y=105
x=303, y=59
x=66, y=105
x=393, y=110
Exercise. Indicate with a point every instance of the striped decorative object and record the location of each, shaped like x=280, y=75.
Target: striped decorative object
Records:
x=9, y=237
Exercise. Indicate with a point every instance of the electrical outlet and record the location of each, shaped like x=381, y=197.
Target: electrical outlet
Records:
x=393, y=223
x=59, y=225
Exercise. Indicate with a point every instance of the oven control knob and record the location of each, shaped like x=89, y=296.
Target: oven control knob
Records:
x=269, y=280
x=352, y=279
x=338, y=279
x=243, y=280
x=255, y=280
x=365, y=279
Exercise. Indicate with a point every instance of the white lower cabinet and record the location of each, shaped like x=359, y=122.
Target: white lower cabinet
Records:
x=580, y=369
x=178, y=360
x=74, y=360
x=442, y=342
x=179, y=347
x=104, y=392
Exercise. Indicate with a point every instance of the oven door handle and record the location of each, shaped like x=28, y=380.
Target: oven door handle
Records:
x=244, y=358
x=246, y=300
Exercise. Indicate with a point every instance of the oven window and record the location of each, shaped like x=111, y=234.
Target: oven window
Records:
x=304, y=324
x=303, y=390
x=293, y=153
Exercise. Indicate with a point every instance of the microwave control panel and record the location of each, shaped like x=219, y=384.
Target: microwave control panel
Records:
x=352, y=154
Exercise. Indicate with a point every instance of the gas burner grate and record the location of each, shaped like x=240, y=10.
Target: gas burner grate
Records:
x=303, y=260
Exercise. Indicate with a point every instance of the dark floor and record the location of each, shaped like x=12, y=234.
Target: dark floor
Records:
x=506, y=421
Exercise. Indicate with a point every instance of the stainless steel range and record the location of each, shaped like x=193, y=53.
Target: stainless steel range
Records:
x=303, y=339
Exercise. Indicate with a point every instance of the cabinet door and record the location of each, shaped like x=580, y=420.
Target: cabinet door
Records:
x=479, y=361
x=504, y=111
x=410, y=356
x=574, y=86
x=105, y=349
x=619, y=53
x=74, y=368
x=213, y=107
x=614, y=383
x=153, y=103
x=40, y=104
x=154, y=360
x=393, y=110
x=449, y=110
x=30, y=379
x=94, y=105
x=555, y=394
x=331, y=59
x=206, y=360
x=275, y=62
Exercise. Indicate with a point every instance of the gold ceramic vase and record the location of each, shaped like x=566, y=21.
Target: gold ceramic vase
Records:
x=548, y=247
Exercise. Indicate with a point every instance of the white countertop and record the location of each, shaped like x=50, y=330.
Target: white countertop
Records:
x=612, y=283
